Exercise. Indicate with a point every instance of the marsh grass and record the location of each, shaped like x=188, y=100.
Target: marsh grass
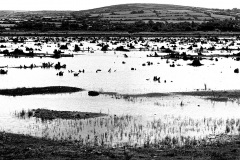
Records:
x=45, y=114
x=24, y=114
x=218, y=96
x=119, y=131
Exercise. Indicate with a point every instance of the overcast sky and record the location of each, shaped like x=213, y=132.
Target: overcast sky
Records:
x=90, y=4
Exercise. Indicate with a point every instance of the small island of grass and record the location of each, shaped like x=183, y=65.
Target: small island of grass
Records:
x=39, y=90
x=46, y=114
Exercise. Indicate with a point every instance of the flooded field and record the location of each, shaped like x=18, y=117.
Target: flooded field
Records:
x=133, y=119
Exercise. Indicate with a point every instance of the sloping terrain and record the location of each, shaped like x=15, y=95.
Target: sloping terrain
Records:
x=135, y=17
x=130, y=13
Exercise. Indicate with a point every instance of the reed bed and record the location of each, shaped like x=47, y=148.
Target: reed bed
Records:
x=167, y=131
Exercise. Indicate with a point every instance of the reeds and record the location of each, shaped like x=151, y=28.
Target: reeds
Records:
x=135, y=131
x=24, y=114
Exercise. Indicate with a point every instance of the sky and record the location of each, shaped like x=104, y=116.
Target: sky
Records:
x=90, y=4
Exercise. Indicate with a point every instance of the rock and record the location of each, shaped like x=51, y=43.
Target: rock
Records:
x=93, y=93
x=236, y=70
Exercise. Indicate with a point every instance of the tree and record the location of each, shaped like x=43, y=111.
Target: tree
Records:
x=56, y=53
x=105, y=47
x=76, y=48
x=6, y=52
x=63, y=46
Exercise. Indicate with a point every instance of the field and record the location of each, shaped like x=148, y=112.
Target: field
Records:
x=128, y=13
x=150, y=12
x=168, y=15
x=221, y=16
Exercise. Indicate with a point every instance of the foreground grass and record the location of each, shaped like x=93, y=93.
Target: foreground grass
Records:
x=38, y=90
x=16, y=146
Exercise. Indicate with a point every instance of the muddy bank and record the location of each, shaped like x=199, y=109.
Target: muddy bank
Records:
x=221, y=96
x=46, y=114
x=134, y=95
x=214, y=95
x=15, y=146
x=39, y=90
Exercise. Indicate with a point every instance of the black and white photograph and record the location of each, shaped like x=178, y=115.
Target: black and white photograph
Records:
x=119, y=80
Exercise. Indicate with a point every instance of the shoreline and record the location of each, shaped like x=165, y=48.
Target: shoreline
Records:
x=119, y=34
x=214, y=95
x=27, y=147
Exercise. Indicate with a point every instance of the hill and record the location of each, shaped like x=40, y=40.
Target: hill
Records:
x=130, y=13
x=134, y=6
x=135, y=17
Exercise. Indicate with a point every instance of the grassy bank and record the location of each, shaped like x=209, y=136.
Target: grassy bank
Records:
x=38, y=90
x=16, y=146
x=124, y=96
x=219, y=95
x=214, y=95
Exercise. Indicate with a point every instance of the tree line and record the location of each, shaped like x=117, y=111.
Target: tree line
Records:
x=138, y=26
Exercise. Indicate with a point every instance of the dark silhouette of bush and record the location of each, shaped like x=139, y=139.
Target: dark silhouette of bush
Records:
x=167, y=50
x=6, y=52
x=105, y=47
x=56, y=54
x=236, y=70
x=18, y=52
x=196, y=63
x=93, y=93
x=121, y=48
x=76, y=48
x=63, y=47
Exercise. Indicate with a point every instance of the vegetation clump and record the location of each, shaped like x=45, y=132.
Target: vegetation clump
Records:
x=236, y=70
x=93, y=93
x=45, y=114
x=38, y=90
x=196, y=63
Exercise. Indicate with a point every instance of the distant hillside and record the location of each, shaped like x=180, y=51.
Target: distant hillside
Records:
x=135, y=17
x=47, y=13
x=135, y=6
x=5, y=13
x=130, y=13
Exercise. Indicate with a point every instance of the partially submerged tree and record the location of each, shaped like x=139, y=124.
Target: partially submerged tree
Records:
x=56, y=53
x=76, y=48
x=105, y=47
